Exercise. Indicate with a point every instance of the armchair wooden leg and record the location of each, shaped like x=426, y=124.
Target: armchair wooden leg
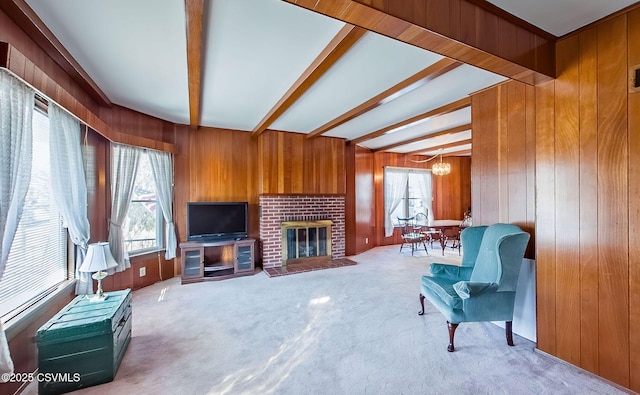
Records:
x=421, y=312
x=452, y=332
x=509, y=332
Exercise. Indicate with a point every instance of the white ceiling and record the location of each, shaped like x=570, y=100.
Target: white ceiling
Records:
x=560, y=17
x=135, y=51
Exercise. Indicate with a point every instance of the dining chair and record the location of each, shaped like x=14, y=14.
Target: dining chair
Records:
x=430, y=234
x=411, y=234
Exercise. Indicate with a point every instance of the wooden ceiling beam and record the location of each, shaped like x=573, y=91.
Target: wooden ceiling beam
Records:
x=194, y=12
x=20, y=12
x=432, y=72
x=457, y=153
x=453, y=32
x=339, y=45
x=454, y=130
x=437, y=147
x=447, y=108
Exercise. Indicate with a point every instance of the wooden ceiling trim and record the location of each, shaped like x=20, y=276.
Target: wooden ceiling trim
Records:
x=194, y=12
x=454, y=130
x=435, y=70
x=442, y=146
x=462, y=37
x=20, y=12
x=339, y=45
x=447, y=108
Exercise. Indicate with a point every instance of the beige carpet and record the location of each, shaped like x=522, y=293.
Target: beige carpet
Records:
x=348, y=330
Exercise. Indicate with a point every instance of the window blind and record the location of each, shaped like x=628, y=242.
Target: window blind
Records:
x=38, y=257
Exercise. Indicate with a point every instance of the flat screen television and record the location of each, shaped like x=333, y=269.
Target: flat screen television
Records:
x=208, y=221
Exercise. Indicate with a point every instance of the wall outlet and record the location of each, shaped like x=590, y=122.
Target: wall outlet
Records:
x=366, y=240
x=143, y=271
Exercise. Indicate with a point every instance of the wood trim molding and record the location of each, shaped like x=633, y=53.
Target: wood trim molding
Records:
x=435, y=70
x=447, y=108
x=18, y=63
x=442, y=146
x=339, y=45
x=194, y=10
x=454, y=130
x=20, y=12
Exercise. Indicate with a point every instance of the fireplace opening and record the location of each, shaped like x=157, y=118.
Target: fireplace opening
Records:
x=305, y=240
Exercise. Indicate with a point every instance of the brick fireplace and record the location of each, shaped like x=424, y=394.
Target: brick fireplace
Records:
x=276, y=209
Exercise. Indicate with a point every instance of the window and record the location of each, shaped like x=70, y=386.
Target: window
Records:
x=144, y=223
x=37, y=261
x=407, y=192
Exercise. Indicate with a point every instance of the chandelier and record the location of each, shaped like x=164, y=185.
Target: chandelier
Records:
x=441, y=168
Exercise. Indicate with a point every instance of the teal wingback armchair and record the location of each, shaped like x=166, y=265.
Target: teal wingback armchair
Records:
x=483, y=288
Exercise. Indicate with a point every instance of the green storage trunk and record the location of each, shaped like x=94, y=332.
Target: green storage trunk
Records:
x=84, y=343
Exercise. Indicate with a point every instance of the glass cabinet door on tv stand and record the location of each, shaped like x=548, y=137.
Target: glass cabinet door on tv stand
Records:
x=192, y=262
x=244, y=256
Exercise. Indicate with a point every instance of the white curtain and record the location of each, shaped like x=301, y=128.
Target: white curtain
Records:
x=69, y=185
x=395, y=183
x=124, y=166
x=16, y=113
x=424, y=181
x=162, y=169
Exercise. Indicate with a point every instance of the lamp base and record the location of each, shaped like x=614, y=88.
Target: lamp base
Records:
x=97, y=298
x=100, y=295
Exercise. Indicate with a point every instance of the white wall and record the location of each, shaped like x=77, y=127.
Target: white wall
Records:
x=524, y=312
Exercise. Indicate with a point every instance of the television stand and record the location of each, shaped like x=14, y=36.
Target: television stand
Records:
x=217, y=260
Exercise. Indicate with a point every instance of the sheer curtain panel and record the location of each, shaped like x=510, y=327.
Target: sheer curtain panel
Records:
x=124, y=166
x=162, y=169
x=69, y=185
x=395, y=184
x=424, y=182
x=16, y=113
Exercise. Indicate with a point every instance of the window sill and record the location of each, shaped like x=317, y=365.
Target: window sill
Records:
x=26, y=318
x=146, y=254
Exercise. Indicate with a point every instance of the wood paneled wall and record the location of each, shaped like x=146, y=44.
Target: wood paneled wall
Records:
x=291, y=163
x=503, y=169
x=452, y=193
x=633, y=35
x=360, y=200
x=221, y=165
x=587, y=167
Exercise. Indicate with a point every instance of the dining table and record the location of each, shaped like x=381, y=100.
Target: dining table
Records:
x=441, y=225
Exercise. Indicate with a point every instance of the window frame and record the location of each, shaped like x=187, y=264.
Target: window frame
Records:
x=405, y=203
x=159, y=228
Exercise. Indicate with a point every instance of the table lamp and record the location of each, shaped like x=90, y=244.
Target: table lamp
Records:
x=97, y=261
